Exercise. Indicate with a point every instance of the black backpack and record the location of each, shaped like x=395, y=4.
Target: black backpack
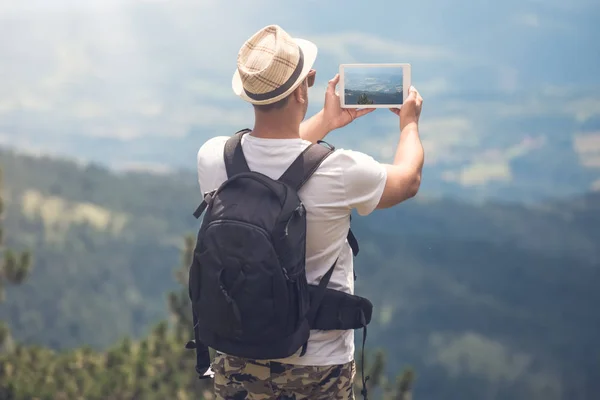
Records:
x=247, y=282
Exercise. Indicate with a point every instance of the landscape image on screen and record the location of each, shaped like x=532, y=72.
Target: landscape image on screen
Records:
x=368, y=85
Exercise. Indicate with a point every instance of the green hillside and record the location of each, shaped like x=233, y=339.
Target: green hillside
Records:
x=489, y=301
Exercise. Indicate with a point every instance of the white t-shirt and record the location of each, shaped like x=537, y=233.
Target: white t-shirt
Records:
x=346, y=180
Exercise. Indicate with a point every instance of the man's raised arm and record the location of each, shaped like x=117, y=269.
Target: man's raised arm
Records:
x=332, y=116
x=404, y=175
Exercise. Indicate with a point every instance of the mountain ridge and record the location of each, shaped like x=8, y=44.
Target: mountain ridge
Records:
x=450, y=280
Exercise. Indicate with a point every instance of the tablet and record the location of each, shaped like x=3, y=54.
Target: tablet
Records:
x=374, y=85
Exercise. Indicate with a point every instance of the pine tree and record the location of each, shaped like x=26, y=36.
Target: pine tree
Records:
x=375, y=369
x=405, y=384
x=179, y=302
x=14, y=268
x=180, y=308
x=364, y=99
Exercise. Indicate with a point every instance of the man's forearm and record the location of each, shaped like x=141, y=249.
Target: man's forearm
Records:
x=410, y=150
x=315, y=128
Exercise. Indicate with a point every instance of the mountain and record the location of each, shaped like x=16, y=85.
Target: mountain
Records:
x=486, y=300
x=560, y=227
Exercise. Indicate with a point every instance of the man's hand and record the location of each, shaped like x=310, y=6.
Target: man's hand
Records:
x=336, y=116
x=411, y=109
x=331, y=117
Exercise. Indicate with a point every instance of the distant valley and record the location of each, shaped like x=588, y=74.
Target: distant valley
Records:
x=488, y=298
x=380, y=87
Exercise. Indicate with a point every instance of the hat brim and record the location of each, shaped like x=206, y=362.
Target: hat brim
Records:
x=309, y=50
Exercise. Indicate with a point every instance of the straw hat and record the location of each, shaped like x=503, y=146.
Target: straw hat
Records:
x=271, y=65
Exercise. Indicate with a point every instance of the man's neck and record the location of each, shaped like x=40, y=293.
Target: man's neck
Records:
x=275, y=128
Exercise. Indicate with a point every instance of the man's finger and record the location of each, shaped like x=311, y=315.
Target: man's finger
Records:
x=332, y=84
x=412, y=94
x=395, y=110
x=418, y=100
x=413, y=90
x=363, y=111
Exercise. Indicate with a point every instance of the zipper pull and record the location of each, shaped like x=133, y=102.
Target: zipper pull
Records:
x=287, y=224
x=298, y=210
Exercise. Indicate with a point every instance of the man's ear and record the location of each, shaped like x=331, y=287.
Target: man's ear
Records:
x=300, y=94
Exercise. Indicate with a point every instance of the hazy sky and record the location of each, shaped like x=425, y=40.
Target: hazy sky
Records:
x=77, y=76
x=361, y=72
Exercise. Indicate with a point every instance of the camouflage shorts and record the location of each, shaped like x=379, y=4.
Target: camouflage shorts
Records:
x=240, y=378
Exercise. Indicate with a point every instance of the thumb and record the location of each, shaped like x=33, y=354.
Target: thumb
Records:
x=412, y=93
x=332, y=84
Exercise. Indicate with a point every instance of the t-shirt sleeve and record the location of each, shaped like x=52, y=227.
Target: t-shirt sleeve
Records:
x=209, y=156
x=364, y=181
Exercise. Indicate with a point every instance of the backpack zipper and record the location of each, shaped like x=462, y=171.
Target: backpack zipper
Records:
x=237, y=222
x=298, y=210
x=256, y=176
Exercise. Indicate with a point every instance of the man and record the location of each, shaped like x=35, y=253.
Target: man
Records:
x=274, y=72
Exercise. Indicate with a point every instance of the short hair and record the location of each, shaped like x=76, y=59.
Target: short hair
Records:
x=278, y=105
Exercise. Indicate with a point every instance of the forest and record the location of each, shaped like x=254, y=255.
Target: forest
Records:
x=472, y=301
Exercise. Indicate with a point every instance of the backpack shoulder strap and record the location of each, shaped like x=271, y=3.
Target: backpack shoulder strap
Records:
x=300, y=171
x=353, y=244
x=235, y=162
